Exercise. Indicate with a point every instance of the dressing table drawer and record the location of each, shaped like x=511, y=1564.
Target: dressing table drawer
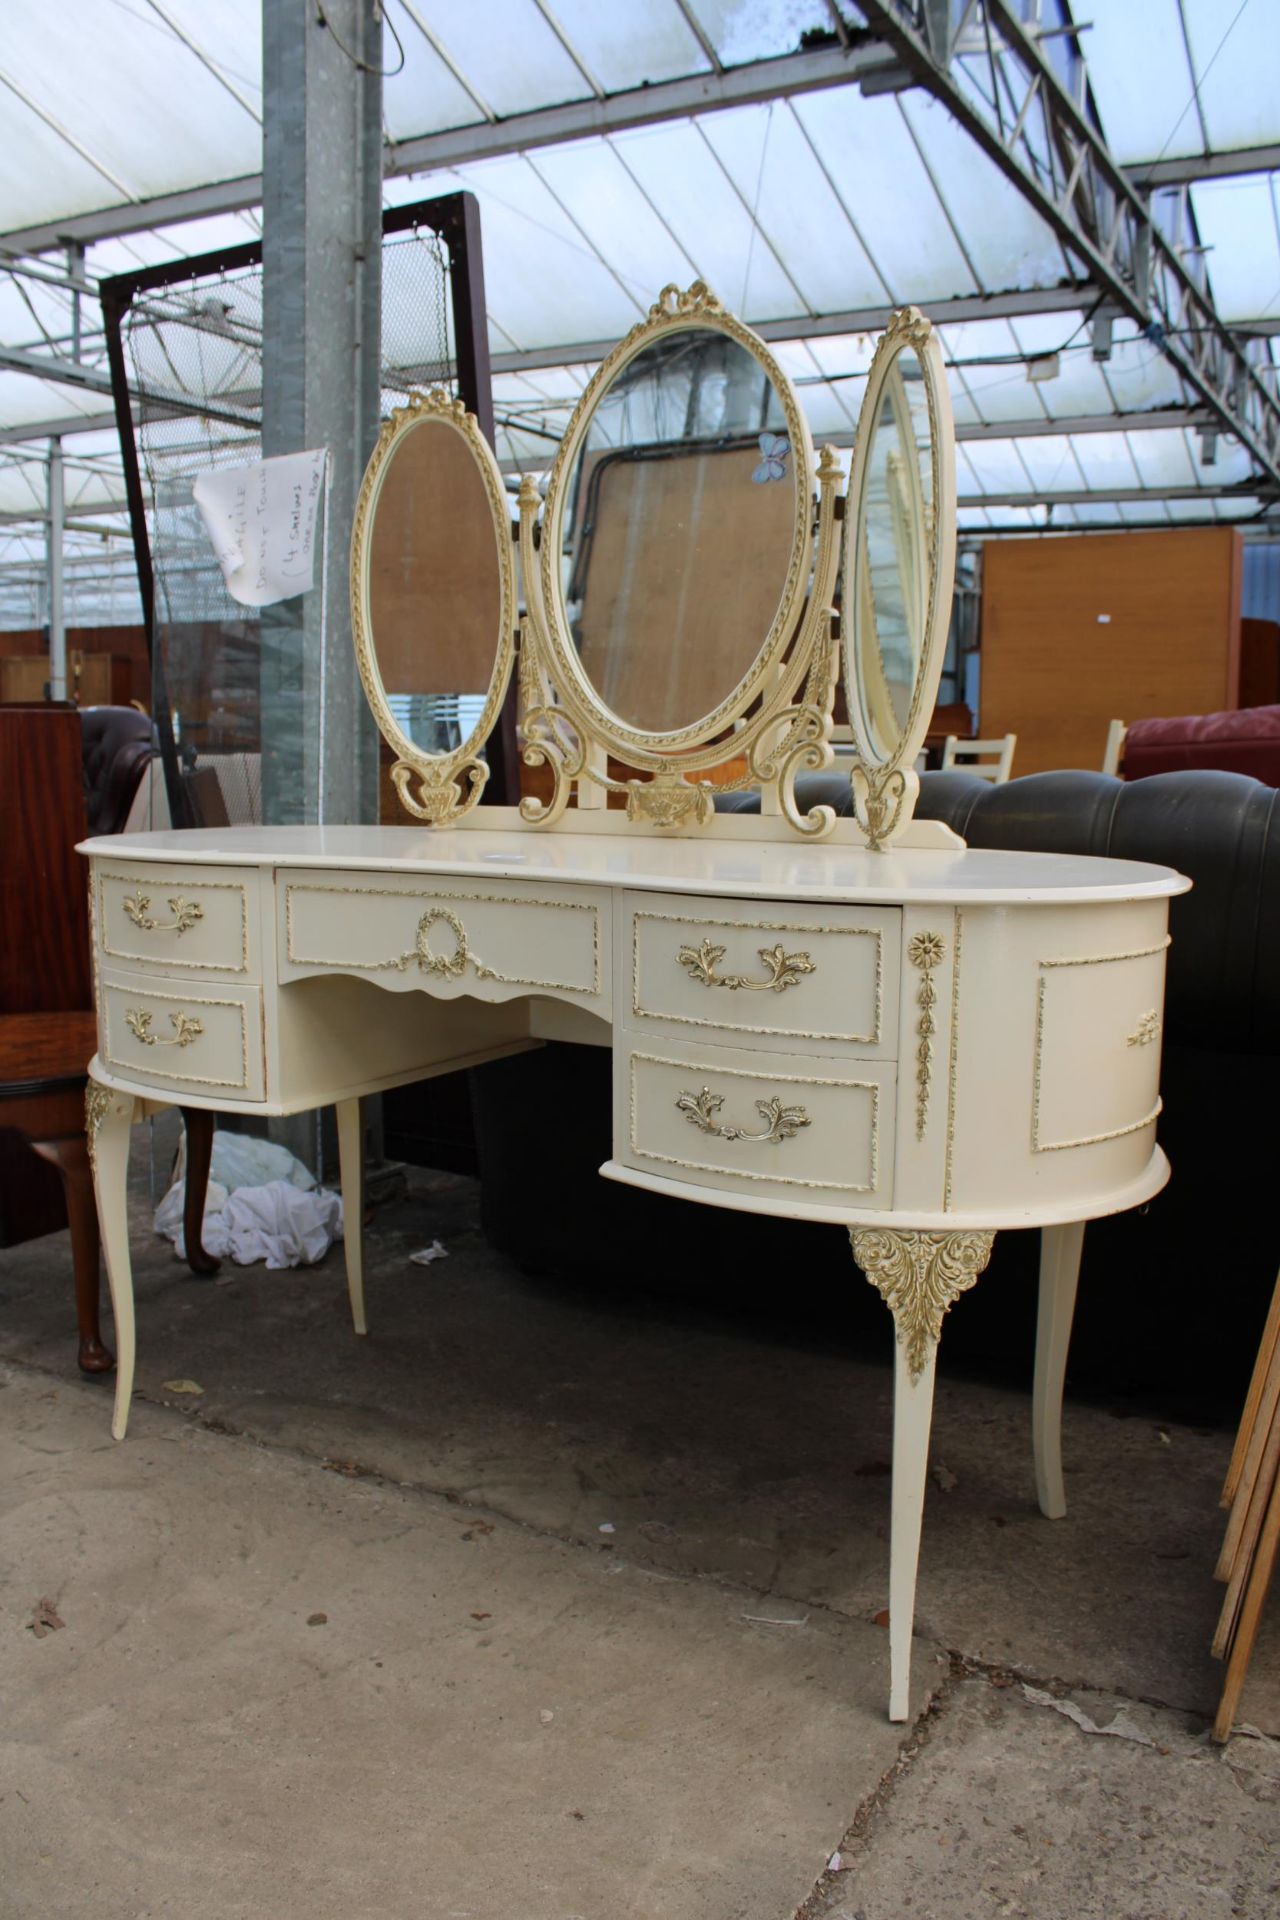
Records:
x=179, y=1033
x=178, y=919
x=450, y=939
x=765, y=975
x=788, y=1130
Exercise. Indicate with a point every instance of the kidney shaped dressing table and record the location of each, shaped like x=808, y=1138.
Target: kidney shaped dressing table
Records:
x=856, y=1021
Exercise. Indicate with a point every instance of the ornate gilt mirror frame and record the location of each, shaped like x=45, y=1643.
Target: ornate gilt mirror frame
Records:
x=778, y=716
x=885, y=783
x=448, y=784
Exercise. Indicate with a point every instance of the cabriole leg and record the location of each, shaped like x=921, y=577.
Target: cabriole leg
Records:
x=108, y=1120
x=351, y=1170
x=198, y=1122
x=918, y=1275
x=1060, y=1249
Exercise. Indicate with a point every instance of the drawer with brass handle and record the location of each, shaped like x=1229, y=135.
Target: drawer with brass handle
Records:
x=177, y=919
x=764, y=975
x=781, y=1127
x=182, y=1033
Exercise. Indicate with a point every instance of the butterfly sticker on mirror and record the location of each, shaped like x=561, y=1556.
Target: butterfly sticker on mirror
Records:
x=774, y=448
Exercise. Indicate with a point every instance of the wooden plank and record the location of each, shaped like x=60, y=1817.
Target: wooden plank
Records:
x=1265, y=1425
x=1254, y=1510
x=1250, y=1616
x=1253, y=1399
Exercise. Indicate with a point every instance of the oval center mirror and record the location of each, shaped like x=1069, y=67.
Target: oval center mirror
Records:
x=899, y=545
x=433, y=596
x=677, y=528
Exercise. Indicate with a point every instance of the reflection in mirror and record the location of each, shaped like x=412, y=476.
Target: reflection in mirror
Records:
x=895, y=540
x=435, y=590
x=678, y=529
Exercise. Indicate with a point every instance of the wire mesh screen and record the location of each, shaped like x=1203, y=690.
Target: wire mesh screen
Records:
x=194, y=350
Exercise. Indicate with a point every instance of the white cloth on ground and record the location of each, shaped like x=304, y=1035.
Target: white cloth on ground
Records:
x=262, y=1204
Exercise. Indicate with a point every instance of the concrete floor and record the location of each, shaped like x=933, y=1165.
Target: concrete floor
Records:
x=541, y=1604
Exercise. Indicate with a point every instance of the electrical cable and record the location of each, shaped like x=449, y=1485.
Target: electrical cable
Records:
x=363, y=66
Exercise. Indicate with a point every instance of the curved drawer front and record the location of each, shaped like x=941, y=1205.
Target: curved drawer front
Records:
x=180, y=1033
x=448, y=940
x=785, y=1130
x=765, y=975
x=177, y=919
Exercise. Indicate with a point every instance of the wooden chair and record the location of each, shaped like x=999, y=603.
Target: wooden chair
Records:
x=47, y=1025
x=989, y=759
x=1114, y=753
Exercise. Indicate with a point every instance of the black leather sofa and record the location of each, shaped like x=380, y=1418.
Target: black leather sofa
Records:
x=1172, y=1297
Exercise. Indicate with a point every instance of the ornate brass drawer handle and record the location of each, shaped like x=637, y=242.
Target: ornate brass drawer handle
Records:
x=783, y=1123
x=186, y=1028
x=185, y=913
x=784, y=969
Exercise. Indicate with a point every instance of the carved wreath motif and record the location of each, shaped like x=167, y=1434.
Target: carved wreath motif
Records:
x=444, y=966
x=784, y=969
x=919, y=1276
x=925, y=951
x=186, y=1028
x=781, y=1122
x=185, y=913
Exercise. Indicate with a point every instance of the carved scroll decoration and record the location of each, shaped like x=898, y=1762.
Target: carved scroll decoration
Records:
x=919, y=1276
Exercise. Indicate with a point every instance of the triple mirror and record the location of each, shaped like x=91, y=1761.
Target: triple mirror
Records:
x=685, y=578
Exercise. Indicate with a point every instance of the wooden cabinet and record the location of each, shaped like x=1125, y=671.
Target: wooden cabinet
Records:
x=1090, y=628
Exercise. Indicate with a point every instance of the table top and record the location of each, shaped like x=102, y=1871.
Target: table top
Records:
x=736, y=869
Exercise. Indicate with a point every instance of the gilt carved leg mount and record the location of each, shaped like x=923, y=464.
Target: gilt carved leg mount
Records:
x=918, y=1275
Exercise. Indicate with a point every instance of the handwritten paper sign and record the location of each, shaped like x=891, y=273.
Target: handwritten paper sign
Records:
x=262, y=522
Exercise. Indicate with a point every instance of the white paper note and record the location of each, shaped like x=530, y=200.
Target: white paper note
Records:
x=262, y=521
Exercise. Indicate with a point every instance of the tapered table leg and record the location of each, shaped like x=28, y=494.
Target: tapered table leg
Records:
x=918, y=1275
x=108, y=1120
x=1060, y=1249
x=70, y=1156
x=351, y=1169
x=198, y=1122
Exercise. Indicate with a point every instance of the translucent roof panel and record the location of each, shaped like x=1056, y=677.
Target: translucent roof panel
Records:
x=508, y=52
x=1240, y=221
x=1164, y=93
x=1003, y=237
x=624, y=47
x=773, y=166
x=602, y=198
x=424, y=96
x=677, y=168
x=902, y=221
x=544, y=282
x=745, y=30
x=144, y=111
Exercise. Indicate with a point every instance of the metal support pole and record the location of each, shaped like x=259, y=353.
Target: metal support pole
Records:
x=57, y=611
x=322, y=274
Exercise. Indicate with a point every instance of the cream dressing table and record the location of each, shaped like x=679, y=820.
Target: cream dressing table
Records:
x=858, y=1022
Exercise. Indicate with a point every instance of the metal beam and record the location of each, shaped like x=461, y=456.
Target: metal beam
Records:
x=1145, y=174
x=1013, y=305
x=1015, y=108
x=1101, y=496
x=34, y=516
x=1158, y=419
x=640, y=106
x=63, y=426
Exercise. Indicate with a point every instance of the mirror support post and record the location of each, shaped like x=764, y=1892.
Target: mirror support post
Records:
x=322, y=298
